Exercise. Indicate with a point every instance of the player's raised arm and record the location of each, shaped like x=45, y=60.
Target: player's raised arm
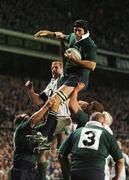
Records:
x=44, y=33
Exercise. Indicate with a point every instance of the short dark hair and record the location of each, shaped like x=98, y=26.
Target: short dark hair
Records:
x=20, y=118
x=82, y=23
x=97, y=106
x=94, y=106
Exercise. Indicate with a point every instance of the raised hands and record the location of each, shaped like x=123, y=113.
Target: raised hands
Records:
x=79, y=87
x=39, y=115
x=59, y=35
x=29, y=86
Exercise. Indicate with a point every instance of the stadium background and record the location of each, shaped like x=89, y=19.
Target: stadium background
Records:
x=23, y=58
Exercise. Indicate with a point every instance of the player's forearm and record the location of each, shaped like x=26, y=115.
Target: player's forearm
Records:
x=42, y=112
x=118, y=167
x=91, y=65
x=65, y=167
x=38, y=115
x=48, y=33
x=87, y=64
x=42, y=33
x=34, y=97
x=73, y=103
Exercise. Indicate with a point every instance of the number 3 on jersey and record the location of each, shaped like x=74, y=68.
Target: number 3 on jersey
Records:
x=90, y=138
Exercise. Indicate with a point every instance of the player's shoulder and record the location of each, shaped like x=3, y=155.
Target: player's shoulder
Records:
x=89, y=41
x=70, y=36
x=24, y=125
x=76, y=131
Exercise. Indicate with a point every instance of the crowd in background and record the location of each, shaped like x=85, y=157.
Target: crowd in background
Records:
x=14, y=100
x=108, y=22
x=108, y=19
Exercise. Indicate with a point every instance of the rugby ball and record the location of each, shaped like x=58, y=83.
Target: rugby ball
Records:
x=75, y=52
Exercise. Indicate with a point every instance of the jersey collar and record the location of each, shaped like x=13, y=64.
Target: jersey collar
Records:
x=94, y=123
x=84, y=36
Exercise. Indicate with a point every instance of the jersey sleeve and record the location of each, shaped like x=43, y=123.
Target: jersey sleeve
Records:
x=115, y=151
x=92, y=53
x=25, y=125
x=68, y=37
x=66, y=146
x=43, y=96
x=81, y=118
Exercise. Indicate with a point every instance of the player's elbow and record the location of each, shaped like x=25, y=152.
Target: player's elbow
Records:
x=120, y=164
x=73, y=107
x=93, y=66
x=37, y=101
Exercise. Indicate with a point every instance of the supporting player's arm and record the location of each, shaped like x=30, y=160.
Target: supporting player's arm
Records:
x=39, y=115
x=118, y=168
x=73, y=103
x=34, y=97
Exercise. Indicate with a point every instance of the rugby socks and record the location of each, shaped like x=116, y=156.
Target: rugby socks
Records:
x=65, y=167
x=50, y=125
x=42, y=169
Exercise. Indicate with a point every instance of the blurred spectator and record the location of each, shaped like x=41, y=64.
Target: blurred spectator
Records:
x=109, y=20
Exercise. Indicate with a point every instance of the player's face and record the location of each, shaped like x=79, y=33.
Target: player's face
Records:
x=79, y=32
x=56, y=70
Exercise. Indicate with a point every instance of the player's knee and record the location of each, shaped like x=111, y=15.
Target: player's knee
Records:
x=59, y=98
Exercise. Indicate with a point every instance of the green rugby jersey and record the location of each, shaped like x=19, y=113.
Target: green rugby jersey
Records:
x=81, y=118
x=87, y=48
x=90, y=145
x=22, y=150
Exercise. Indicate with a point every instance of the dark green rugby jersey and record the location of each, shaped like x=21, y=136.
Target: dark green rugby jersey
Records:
x=87, y=48
x=81, y=118
x=22, y=150
x=90, y=146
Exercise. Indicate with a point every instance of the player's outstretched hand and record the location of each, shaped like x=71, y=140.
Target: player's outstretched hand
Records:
x=59, y=35
x=29, y=85
x=43, y=33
